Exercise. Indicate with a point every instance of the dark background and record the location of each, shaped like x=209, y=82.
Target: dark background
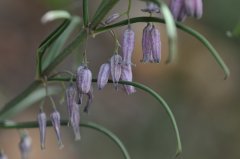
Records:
x=206, y=106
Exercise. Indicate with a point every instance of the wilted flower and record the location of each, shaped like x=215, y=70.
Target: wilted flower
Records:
x=55, y=118
x=71, y=97
x=194, y=8
x=2, y=155
x=112, y=18
x=156, y=44
x=103, y=75
x=128, y=45
x=25, y=144
x=75, y=120
x=127, y=76
x=84, y=79
x=146, y=44
x=115, y=65
x=178, y=10
x=89, y=100
x=151, y=8
x=42, y=123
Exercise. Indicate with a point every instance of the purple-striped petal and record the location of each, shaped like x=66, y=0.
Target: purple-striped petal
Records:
x=75, y=120
x=115, y=65
x=156, y=44
x=42, y=124
x=127, y=76
x=103, y=75
x=84, y=80
x=146, y=44
x=128, y=45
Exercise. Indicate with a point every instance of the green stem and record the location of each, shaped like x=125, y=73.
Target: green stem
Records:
x=90, y=125
x=184, y=28
x=85, y=13
x=152, y=93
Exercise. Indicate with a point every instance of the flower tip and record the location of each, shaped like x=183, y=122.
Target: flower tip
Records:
x=77, y=137
x=60, y=146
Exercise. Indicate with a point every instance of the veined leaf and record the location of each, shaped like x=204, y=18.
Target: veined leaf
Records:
x=103, y=9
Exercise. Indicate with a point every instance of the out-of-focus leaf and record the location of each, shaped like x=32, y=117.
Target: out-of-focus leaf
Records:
x=103, y=9
x=57, y=46
x=31, y=95
x=54, y=15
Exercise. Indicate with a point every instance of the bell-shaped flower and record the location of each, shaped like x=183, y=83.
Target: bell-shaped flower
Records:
x=115, y=66
x=42, y=124
x=103, y=75
x=55, y=118
x=177, y=7
x=127, y=76
x=128, y=45
x=146, y=44
x=151, y=8
x=156, y=44
x=194, y=8
x=84, y=80
x=75, y=120
x=25, y=144
x=112, y=18
x=71, y=94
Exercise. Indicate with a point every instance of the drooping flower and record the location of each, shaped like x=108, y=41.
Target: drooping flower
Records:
x=84, y=80
x=55, y=118
x=75, y=120
x=71, y=97
x=89, y=101
x=127, y=76
x=115, y=65
x=151, y=8
x=25, y=144
x=2, y=155
x=156, y=44
x=128, y=45
x=194, y=8
x=112, y=18
x=177, y=7
x=42, y=123
x=146, y=44
x=103, y=75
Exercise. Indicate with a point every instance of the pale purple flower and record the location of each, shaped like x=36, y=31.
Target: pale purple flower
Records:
x=156, y=44
x=75, y=120
x=151, y=8
x=103, y=75
x=2, y=155
x=42, y=123
x=194, y=8
x=128, y=45
x=112, y=18
x=55, y=118
x=25, y=144
x=146, y=44
x=127, y=76
x=89, y=101
x=177, y=7
x=115, y=65
x=84, y=80
x=71, y=97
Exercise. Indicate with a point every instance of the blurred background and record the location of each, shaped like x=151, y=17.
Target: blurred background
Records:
x=205, y=105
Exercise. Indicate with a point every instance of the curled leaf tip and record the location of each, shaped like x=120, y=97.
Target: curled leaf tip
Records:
x=55, y=14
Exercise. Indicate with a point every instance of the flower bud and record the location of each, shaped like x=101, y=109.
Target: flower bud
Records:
x=42, y=123
x=127, y=76
x=156, y=44
x=115, y=64
x=146, y=44
x=2, y=155
x=55, y=118
x=177, y=7
x=89, y=101
x=84, y=79
x=112, y=18
x=25, y=144
x=75, y=120
x=128, y=45
x=194, y=8
x=103, y=75
x=71, y=97
x=151, y=8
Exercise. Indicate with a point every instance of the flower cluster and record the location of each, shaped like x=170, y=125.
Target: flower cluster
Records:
x=181, y=9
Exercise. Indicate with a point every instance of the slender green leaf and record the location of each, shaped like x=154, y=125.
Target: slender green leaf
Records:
x=57, y=46
x=90, y=125
x=31, y=95
x=85, y=13
x=103, y=9
x=181, y=26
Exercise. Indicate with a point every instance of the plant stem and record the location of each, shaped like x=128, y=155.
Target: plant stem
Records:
x=85, y=13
